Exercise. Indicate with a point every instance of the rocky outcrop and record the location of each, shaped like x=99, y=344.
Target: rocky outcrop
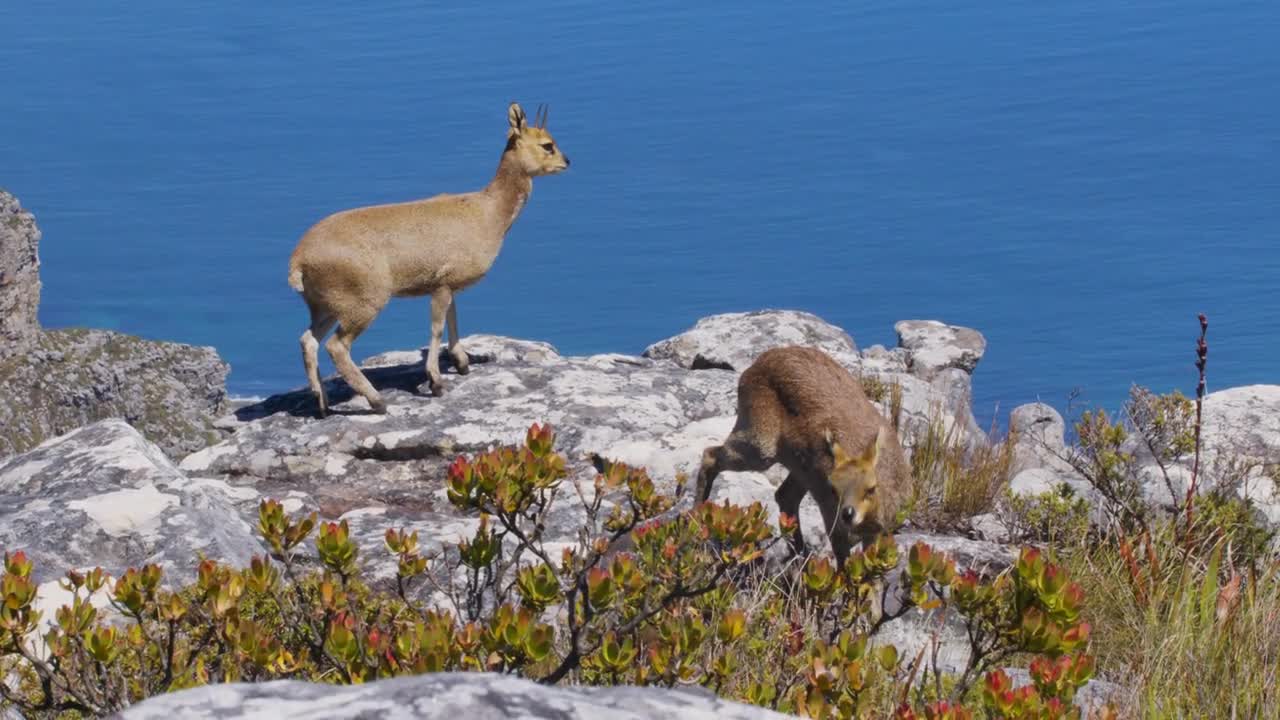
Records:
x=19, y=275
x=1241, y=439
x=446, y=696
x=54, y=381
x=379, y=471
x=732, y=341
x=1040, y=434
x=68, y=378
x=933, y=346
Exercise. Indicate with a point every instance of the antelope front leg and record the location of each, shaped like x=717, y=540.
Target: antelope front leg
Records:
x=461, y=362
x=440, y=301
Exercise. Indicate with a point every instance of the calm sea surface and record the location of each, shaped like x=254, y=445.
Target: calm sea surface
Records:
x=1075, y=179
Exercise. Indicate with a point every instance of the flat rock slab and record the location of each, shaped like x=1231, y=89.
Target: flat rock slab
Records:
x=442, y=696
x=105, y=496
x=620, y=407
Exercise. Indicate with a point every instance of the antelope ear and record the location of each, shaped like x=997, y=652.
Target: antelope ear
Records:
x=838, y=456
x=873, y=452
x=515, y=116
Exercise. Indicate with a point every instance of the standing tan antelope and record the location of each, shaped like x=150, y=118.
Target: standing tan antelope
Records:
x=350, y=264
x=799, y=407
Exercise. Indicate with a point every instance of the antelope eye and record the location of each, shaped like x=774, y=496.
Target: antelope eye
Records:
x=549, y=147
x=871, y=491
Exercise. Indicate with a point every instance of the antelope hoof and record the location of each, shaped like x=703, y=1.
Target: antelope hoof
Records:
x=461, y=361
x=434, y=385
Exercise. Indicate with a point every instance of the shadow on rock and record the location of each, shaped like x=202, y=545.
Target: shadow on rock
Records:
x=409, y=377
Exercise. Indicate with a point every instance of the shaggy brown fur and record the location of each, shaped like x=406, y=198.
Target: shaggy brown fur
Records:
x=799, y=407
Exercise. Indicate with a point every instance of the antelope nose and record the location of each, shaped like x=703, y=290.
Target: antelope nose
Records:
x=566, y=161
x=846, y=514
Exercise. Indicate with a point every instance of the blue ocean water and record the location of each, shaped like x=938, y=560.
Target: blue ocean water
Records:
x=1075, y=179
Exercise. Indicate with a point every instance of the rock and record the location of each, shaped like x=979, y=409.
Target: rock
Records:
x=733, y=341
x=883, y=361
x=54, y=381
x=932, y=346
x=69, y=378
x=19, y=276
x=1036, y=481
x=447, y=696
x=1040, y=435
x=381, y=471
x=1241, y=443
x=989, y=527
x=104, y=496
x=918, y=630
x=1240, y=453
x=1093, y=696
x=479, y=349
x=946, y=398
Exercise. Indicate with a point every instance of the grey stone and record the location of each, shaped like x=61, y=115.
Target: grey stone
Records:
x=68, y=378
x=1240, y=453
x=104, y=496
x=882, y=360
x=1241, y=441
x=932, y=346
x=919, y=629
x=19, y=276
x=732, y=341
x=1036, y=481
x=989, y=527
x=446, y=696
x=479, y=349
x=1093, y=696
x=381, y=471
x=1040, y=435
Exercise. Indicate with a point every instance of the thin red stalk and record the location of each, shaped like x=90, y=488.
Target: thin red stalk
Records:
x=1202, y=352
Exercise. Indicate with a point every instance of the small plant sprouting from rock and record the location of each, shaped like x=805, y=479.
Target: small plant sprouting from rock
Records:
x=646, y=595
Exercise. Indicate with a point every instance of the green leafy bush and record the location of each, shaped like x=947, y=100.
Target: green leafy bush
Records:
x=1057, y=516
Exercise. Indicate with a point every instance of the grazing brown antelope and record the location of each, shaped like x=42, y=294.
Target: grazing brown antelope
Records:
x=799, y=407
x=350, y=264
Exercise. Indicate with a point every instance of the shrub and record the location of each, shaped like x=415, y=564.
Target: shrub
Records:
x=953, y=480
x=1054, y=517
x=693, y=600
